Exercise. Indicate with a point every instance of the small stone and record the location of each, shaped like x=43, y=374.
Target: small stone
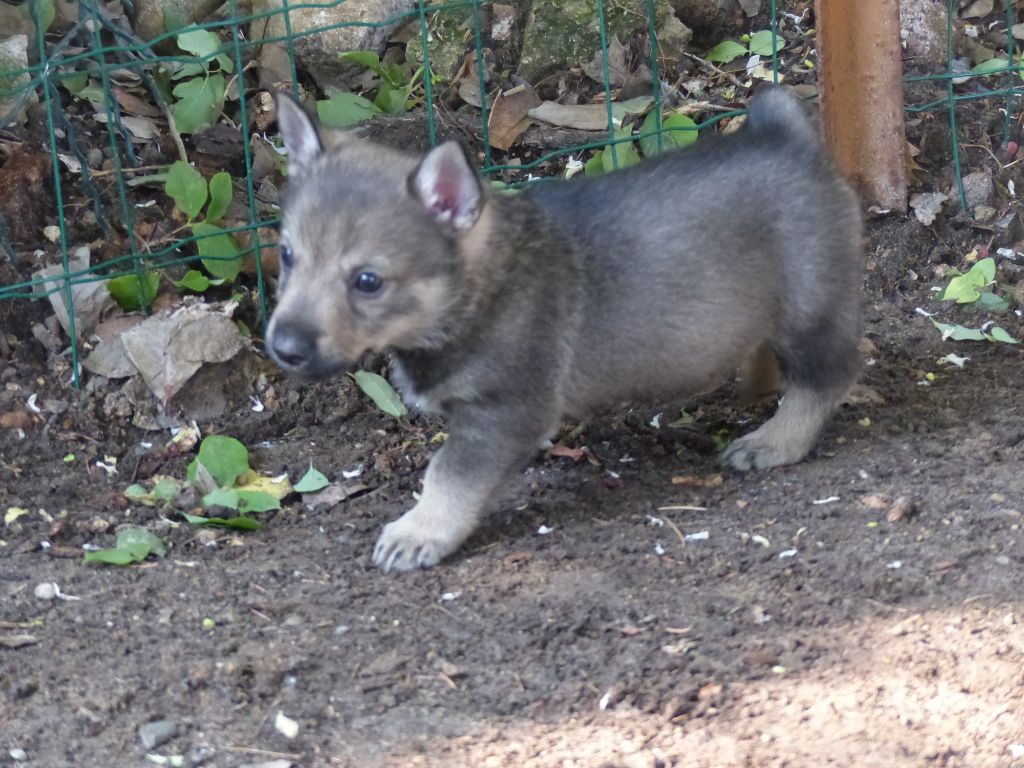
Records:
x=1002, y=560
x=1018, y=293
x=286, y=726
x=901, y=509
x=983, y=213
x=18, y=755
x=978, y=188
x=95, y=158
x=197, y=756
x=156, y=733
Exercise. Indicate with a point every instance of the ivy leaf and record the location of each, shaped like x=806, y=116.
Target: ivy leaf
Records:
x=220, y=196
x=223, y=457
x=381, y=392
x=197, y=282
x=595, y=165
x=243, y=501
x=677, y=131
x=726, y=51
x=1000, y=334
x=966, y=288
x=624, y=153
x=133, y=545
x=312, y=481
x=241, y=522
x=343, y=109
x=761, y=43
x=368, y=59
x=200, y=102
x=219, y=251
x=186, y=187
x=132, y=293
x=391, y=99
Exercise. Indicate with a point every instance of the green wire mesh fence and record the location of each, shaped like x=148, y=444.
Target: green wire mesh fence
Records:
x=90, y=58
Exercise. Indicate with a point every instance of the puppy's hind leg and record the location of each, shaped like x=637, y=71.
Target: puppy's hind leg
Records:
x=818, y=366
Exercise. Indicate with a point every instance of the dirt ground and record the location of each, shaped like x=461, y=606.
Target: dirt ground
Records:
x=819, y=622
x=635, y=606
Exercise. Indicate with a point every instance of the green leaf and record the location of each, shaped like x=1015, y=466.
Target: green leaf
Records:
x=991, y=302
x=595, y=165
x=381, y=392
x=74, y=82
x=761, y=43
x=368, y=59
x=635, y=106
x=311, y=482
x=957, y=332
x=1000, y=334
x=200, y=102
x=166, y=488
x=726, y=51
x=243, y=501
x=219, y=251
x=196, y=281
x=965, y=289
x=391, y=99
x=623, y=155
x=131, y=293
x=343, y=109
x=187, y=188
x=133, y=545
x=677, y=131
x=220, y=196
x=201, y=42
x=225, y=458
x=241, y=522
x=991, y=66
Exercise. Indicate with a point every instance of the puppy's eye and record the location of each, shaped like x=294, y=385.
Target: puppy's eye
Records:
x=368, y=283
x=286, y=256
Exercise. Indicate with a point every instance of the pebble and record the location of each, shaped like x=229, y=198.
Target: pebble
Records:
x=156, y=733
x=901, y=509
x=18, y=755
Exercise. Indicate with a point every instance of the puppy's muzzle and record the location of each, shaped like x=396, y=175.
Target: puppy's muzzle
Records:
x=295, y=347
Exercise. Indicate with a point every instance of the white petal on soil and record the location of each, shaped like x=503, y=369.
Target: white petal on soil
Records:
x=286, y=726
x=954, y=360
x=827, y=500
x=544, y=530
x=658, y=549
x=447, y=597
x=348, y=474
x=699, y=536
x=894, y=565
x=787, y=553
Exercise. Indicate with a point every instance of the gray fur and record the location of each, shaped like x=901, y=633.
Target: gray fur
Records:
x=654, y=282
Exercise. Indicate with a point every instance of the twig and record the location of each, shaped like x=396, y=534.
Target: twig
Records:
x=708, y=66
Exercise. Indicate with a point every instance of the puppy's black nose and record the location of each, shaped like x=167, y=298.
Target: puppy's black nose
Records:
x=292, y=345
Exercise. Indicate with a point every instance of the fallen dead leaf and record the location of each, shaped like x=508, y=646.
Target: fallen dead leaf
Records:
x=16, y=420
x=509, y=116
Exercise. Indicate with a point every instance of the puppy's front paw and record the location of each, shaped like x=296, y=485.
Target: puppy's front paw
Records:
x=760, y=451
x=408, y=544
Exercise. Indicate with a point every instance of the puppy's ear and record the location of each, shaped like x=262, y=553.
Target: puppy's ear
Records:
x=447, y=186
x=300, y=135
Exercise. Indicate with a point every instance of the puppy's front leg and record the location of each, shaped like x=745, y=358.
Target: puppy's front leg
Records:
x=484, y=447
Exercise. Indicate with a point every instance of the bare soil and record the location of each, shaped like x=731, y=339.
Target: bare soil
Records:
x=819, y=622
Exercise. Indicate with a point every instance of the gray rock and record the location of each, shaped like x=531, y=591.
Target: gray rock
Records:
x=319, y=52
x=157, y=732
x=563, y=33
x=923, y=29
x=18, y=755
x=978, y=188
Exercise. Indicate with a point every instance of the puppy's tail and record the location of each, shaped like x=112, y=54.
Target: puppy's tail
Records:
x=778, y=109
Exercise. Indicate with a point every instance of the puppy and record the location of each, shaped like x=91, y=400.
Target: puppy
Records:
x=506, y=312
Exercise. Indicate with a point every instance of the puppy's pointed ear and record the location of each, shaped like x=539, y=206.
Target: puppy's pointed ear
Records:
x=447, y=186
x=300, y=135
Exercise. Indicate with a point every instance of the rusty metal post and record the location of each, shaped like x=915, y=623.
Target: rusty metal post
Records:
x=861, y=89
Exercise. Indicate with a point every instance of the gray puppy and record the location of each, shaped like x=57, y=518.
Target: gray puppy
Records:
x=506, y=312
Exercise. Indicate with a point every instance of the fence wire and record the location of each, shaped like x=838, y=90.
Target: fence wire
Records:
x=97, y=46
